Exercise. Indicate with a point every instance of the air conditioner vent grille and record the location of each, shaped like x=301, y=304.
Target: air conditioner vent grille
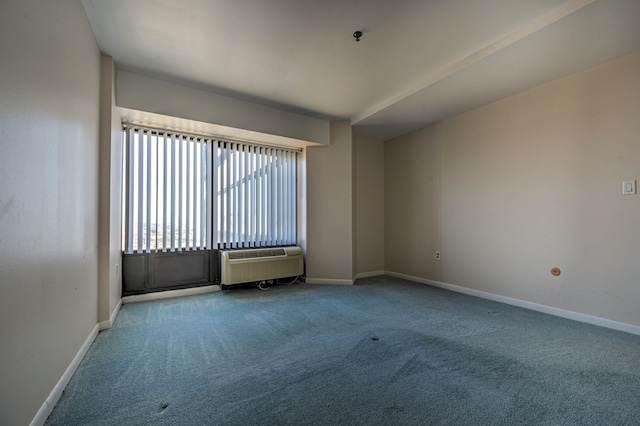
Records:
x=253, y=254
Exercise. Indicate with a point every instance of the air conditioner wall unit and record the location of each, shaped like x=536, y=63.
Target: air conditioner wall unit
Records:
x=252, y=265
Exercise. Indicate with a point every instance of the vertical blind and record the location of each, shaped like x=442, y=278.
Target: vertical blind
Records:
x=188, y=192
x=255, y=196
x=166, y=205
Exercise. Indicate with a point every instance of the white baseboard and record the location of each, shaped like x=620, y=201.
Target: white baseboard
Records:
x=105, y=325
x=171, y=293
x=46, y=408
x=327, y=281
x=576, y=316
x=369, y=274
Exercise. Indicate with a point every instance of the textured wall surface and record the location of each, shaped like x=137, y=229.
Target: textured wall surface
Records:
x=369, y=205
x=330, y=213
x=49, y=87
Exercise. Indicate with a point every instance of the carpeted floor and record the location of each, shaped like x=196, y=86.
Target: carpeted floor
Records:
x=385, y=351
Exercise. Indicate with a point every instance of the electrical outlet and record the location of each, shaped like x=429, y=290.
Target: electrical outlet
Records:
x=437, y=255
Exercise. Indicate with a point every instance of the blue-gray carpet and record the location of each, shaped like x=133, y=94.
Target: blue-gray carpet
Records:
x=385, y=351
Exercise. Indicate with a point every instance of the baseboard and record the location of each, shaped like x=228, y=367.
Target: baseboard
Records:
x=576, y=316
x=171, y=294
x=328, y=281
x=369, y=274
x=105, y=325
x=46, y=408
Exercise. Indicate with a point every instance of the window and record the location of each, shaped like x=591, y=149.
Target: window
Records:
x=189, y=192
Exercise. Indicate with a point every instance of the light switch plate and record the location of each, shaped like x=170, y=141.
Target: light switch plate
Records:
x=628, y=187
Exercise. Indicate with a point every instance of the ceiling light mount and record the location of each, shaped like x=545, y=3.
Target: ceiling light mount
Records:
x=357, y=35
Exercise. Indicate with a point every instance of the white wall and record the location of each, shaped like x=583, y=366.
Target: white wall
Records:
x=110, y=197
x=369, y=178
x=512, y=189
x=301, y=207
x=143, y=93
x=330, y=213
x=49, y=85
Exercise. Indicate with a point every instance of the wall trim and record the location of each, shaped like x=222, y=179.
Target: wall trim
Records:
x=328, y=281
x=47, y=407
x=171, y=293
x=576, y=316
x=369, y=274
x=105, y=325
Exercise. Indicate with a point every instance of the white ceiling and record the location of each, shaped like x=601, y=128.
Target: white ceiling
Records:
x=418, y=61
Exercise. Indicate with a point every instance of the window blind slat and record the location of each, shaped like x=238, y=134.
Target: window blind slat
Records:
x=203, y=196
x=195, y=205
x=285, y=198
x=281, y=197
x=140, y=194
x=181, y=200
x=262, y=207
x=154, y=193
x=245, y=196
x=207, y=186
x=234, y=190
x=148, y=189
x=272, y=200
x=216, y=196
x=165, y=201
x=232, y=199
x=254, y=197
x=293, y=206
x=174, y=198
x=187, y=196
x=130, y=191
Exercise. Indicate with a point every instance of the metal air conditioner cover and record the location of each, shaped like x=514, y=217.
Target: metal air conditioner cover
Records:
x=252, y=265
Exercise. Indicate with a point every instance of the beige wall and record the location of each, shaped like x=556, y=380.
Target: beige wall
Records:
x=301, y=231
x=354, y=231
x=369, y=196
x=514, y=188
x=110, y=197
x=49, y=84
x=330, y=215
x=143, y=93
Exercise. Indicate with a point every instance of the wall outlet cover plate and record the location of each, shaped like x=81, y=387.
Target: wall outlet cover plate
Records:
x=628, y=187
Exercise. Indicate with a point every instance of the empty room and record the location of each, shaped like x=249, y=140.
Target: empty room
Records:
x=319, y=212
